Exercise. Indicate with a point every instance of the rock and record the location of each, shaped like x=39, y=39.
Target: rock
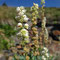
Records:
x=2, y=57
x=10, y=58
x=56, y=33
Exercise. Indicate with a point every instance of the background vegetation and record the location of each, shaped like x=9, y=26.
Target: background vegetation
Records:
x=7, y=14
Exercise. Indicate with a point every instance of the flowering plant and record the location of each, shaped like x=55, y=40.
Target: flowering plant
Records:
x=30, y=48
x=23, y=27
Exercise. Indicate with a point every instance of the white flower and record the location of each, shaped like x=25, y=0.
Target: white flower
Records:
x=26, y=19
x=23, y=11
x=24, y=33
x=46, y=50
x=47, y=54
x=26, y=26
x=20, y=13
x=18, y=9
x=43, y=52
x=21, y=7
x=43, y=57
x=19, y=25
x=24, y=16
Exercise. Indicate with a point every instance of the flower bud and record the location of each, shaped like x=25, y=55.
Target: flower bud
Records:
x=27, y=57
x=34, y=23
x=26, y=26
x=18, y=9
x=20, y=14
x=19, y=25
x=33, y=19
x=23, y=11
x=34, y=29
x=34, y=38
x=22, y=8
x=26, y=19
x=24, y=33
x=24, y=16
x=36, y=5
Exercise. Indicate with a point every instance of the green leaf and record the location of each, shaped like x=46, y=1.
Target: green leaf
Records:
x=13, y=59
x=39, y=58
x=34, y=58
x=22, y=58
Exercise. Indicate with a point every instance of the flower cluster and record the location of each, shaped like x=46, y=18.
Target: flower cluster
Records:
x=45, y=54
x=44, y=29
x=26, y=26
x=21, y=14
x=25, y=35
x=26, y=50
x=34, y=10
x=23, y=26
x=20, y=10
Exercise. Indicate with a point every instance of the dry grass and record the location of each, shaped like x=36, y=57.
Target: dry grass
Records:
x=7, y=14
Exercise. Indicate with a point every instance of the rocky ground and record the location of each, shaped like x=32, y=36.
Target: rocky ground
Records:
x=54, y=49
x=53, y=46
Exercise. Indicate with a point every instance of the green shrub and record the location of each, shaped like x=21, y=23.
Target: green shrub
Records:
x=8, y=30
